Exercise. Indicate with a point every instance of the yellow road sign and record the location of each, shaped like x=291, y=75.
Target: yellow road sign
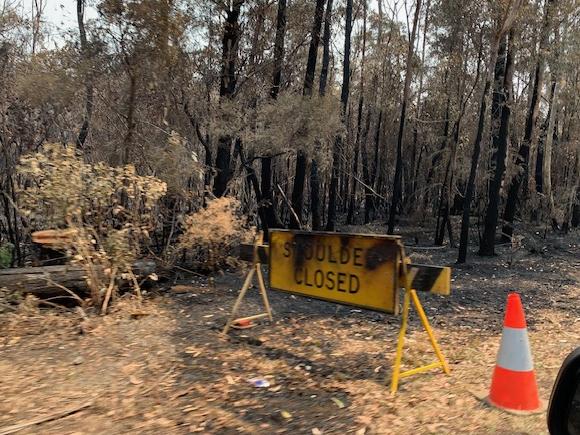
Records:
x=359, y=270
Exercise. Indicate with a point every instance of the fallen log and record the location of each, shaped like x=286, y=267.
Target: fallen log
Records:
x=47, y=279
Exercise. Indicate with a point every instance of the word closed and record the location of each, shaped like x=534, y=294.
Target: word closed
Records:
x=358, y=270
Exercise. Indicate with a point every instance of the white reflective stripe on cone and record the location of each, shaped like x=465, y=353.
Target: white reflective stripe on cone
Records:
x=514, y=350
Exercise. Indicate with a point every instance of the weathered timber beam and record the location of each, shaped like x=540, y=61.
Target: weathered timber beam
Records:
x=41, y=280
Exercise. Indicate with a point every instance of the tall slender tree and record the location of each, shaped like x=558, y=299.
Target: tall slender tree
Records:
x=89, y=92
x=325, y=49
x=398, y=179
x=228, y=77
x=266, y=172
x=344, y=94
x=505, y=23
x=530, y=132
x=487, y=243
x=301, y=159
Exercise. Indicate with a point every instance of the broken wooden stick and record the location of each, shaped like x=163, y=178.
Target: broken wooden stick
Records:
x=289, y=205
x=46, y=418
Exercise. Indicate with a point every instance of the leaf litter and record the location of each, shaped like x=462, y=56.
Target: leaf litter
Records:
x=172, y=372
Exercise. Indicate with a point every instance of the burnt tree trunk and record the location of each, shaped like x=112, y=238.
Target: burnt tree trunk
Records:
x=332, y=194
x=371, y=203
x=266, y=171
x=315, y=199
x=315, y=196
x=497, y=103
x=279, y=49
x=398, y=179
x=544, y=181
x=325, y=50
x=504, y=27
x=366, y=170
x=523, y=157
x=415, y=161
x=230, y=41
x=85, y=53
x=298, y=191
x=354, y=184
x=51, y=279
x=313, y=49
x=205, y=143
x=443, y=210
x=436, y=158
x=487, y=243
x=470, y=188
x=546, y=173
x=253, y=180
x=267, y=194
x=301, y=160
x=128, y=140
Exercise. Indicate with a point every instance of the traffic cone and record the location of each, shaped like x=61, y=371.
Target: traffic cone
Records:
x=513, y=385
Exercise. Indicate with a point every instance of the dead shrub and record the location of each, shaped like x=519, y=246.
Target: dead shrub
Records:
x=107, y=212
x=210, y=235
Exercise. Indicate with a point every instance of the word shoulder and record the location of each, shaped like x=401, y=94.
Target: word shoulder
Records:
x=326, y=253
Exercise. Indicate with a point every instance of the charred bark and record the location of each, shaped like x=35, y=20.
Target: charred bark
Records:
x=325, y=49
x=128, y=141
x=266, y=175
x=230, y=42
x=344, y=94
x=279, y=48
x=487, y=243
x=85, y=54
x=470, y=188
x=267, y=194
x=315, y=196
x=530, y=133
x=301, y=160
x=398, y=179
x=298, y=191
x=354, y=184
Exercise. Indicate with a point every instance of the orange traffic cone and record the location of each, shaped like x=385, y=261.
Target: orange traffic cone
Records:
x=513, y=385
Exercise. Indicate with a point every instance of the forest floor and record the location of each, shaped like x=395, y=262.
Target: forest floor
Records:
x=162, y=367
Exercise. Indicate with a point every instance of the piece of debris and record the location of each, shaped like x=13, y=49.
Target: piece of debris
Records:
x=180, y=289
x=338, y=402
x=243, y=324
x=259, y=382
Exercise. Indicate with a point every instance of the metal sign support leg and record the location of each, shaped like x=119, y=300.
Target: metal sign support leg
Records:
x=411, y=296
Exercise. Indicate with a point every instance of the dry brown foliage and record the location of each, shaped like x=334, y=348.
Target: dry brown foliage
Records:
x=107, y=211
x=211, y=233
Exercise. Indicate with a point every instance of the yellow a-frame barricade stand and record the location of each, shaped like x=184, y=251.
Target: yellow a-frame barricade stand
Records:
x=256, y=269
x=411, y=295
